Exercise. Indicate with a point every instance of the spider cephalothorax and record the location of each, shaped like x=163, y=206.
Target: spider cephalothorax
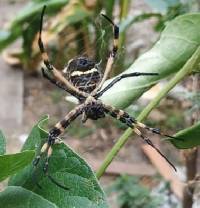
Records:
x=83, y=73
x=93, y=110
x=83, y=79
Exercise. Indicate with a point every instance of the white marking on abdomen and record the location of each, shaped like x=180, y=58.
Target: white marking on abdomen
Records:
x=79, y=73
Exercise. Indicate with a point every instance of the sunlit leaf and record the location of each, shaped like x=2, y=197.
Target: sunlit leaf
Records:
x=177, y=43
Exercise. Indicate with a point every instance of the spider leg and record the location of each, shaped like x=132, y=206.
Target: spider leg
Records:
x=41, y=46
x=112, y=55
x=53, y=137
x=57, y=74
x=117, y=79
x=52, y=80
x=58, y=84
x=134, y=124
x=149, y=142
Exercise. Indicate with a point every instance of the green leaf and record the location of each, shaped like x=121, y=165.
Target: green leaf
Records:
x=67, y=168
x=19, y=197
x=187, y=138
x=179, y=40
x=11, y=164
x=2, y=144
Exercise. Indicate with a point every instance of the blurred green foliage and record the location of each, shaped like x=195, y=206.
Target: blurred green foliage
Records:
x=169, y=9
x=131, y=194
x=77, y=29
x=12, y=163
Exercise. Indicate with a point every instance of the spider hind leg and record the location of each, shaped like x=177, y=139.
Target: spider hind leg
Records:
x=134, y=124
x=149, y=142
x=153, y=130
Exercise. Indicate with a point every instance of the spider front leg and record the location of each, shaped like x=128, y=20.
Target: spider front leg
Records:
x=123, y=76
x=135, y=125
x=52, y=80
x=53, y=136
x=112, y=55
x=57, y=75
x=59, y=84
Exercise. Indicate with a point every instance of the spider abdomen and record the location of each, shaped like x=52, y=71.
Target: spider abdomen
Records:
x=83, y=73
x=85, y=82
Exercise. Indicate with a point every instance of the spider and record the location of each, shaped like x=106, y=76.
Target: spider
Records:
x=82, y=78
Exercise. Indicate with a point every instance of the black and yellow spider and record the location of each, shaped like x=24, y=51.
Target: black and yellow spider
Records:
x=83, y=79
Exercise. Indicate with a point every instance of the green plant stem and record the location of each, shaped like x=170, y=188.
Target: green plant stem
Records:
x=191, y=64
